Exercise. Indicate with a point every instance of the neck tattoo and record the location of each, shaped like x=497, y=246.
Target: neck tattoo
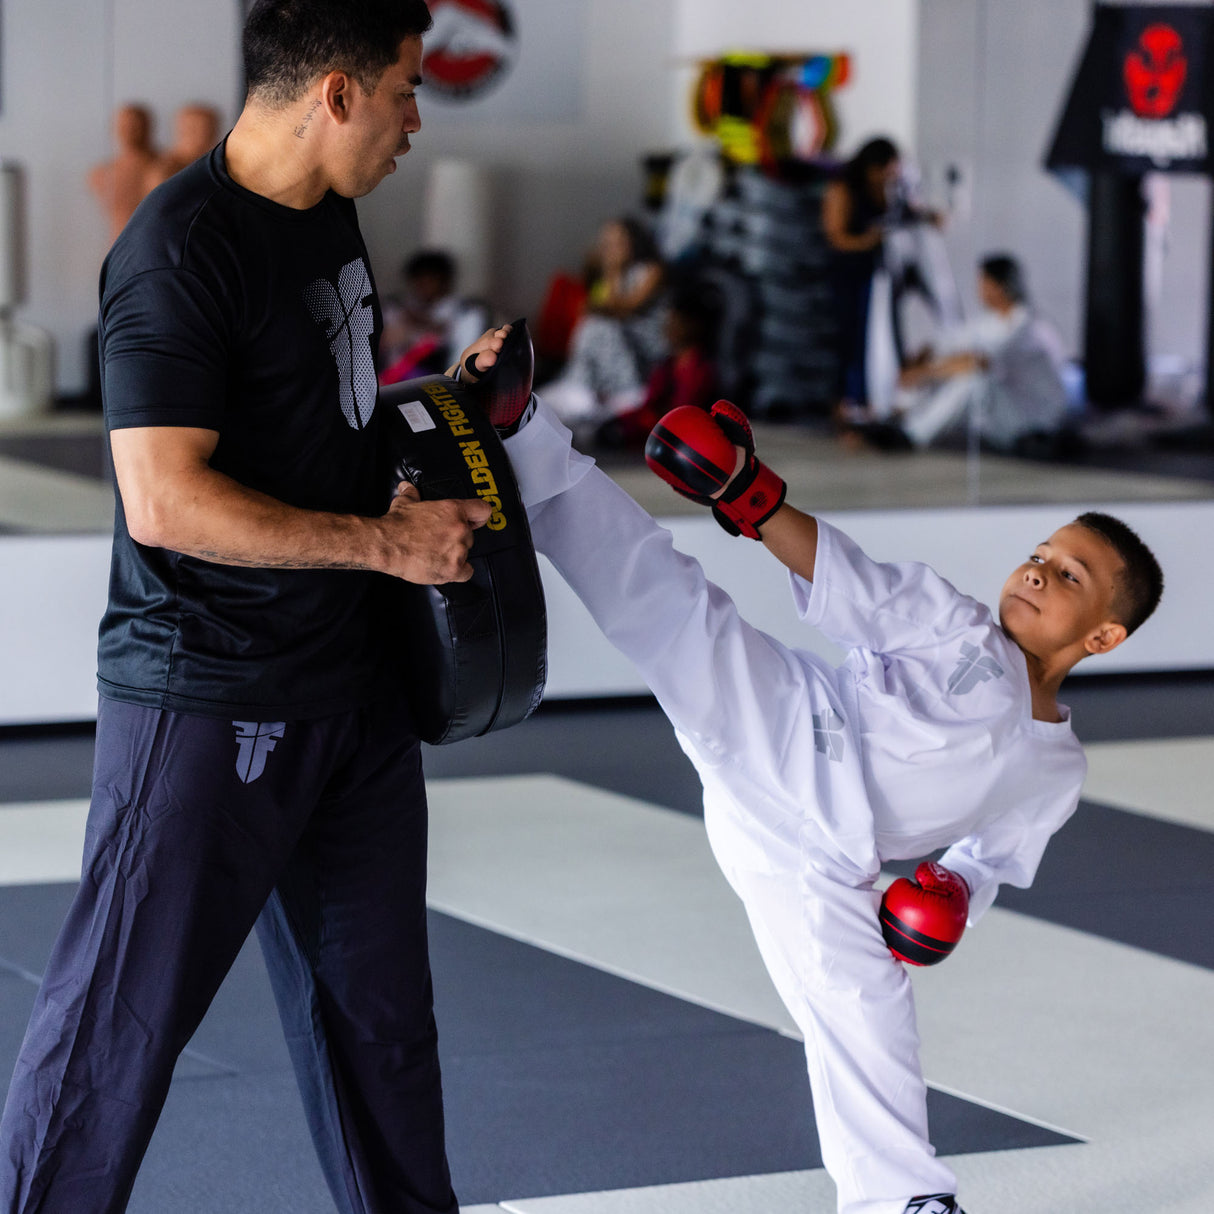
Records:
x=302, y=129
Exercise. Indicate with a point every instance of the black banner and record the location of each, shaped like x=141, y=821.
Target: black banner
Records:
x=1141, y=100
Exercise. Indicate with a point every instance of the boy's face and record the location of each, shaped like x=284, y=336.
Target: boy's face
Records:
x=990, y=293
x=1063, y=595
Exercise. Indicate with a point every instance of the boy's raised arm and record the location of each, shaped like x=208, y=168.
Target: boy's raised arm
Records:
x=792, y=538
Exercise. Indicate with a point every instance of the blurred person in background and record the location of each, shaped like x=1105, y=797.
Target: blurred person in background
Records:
x=620, y=337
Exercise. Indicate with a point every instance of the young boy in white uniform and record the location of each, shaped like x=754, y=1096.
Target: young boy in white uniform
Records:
x=940, y=729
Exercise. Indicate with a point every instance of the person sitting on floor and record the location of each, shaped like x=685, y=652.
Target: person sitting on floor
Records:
x=1002, y=372
x=686, y=376
x=619, y=339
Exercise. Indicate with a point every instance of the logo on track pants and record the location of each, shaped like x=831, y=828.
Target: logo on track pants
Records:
x=254, y=741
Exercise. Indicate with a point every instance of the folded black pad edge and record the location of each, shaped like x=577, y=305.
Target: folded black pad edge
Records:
x=476, y=657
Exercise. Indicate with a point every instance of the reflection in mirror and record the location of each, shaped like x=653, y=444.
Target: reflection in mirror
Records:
x=967, y=343
x=1112, y=272
x=162, y=82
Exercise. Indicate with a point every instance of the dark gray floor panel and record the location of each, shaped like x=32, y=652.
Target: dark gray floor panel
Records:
x=53, y=766
x=628, y=746
x=559, y=1078
x=231, y=1146
x=30, y=917
x=241, y=1029
x=16, y=1001
x=239, y=1033
x=498, y=995
x=1113, y=708
x=626, y=1115
x=1125, y=877
x=83, y=454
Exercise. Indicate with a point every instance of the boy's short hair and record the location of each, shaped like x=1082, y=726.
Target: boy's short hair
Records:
x=290, y=43
x=1005, y=272
x=1140, y=583
x=434, y=262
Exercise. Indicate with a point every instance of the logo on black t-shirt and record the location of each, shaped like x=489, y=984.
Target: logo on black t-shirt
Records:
x=348, y=320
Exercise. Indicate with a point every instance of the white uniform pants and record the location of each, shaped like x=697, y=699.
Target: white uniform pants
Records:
x=930, y=412
x=746, y=708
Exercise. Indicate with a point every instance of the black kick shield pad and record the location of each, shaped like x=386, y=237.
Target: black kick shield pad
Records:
x=477, y=649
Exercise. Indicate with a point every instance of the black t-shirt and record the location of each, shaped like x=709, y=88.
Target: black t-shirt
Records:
x=223, y=310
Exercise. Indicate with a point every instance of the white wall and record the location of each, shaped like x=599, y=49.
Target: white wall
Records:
x=48, y=628
x=53, y=119
x=881, y=35
x=553, y=180
x=972, y=81
x=68, y=63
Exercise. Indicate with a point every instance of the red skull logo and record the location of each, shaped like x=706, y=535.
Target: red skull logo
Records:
x=1155, y=71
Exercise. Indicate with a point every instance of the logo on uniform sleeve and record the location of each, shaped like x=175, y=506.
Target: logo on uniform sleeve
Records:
x=972, y=670
x=346, y=316
x=828, y=735
x=254, y=741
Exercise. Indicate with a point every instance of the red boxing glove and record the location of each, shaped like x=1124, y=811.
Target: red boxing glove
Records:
x=696, y=453
x=923, y=919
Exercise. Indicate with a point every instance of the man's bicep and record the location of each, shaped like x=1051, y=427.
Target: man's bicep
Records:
x=153, y=465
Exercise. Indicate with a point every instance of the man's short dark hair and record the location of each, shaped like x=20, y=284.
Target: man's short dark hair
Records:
x=288, y=44
x=1140, y=584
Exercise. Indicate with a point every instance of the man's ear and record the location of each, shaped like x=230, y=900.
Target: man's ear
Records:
x=1107, y=636
x=335, y=91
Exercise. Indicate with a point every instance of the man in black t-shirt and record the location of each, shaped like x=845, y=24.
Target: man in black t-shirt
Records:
x=253, y=764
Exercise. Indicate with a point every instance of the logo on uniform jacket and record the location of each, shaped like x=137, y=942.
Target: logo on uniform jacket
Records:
x=972, y=670
x=254, y=741
x=345, y=314
x=471, y=47
x=828, y=735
